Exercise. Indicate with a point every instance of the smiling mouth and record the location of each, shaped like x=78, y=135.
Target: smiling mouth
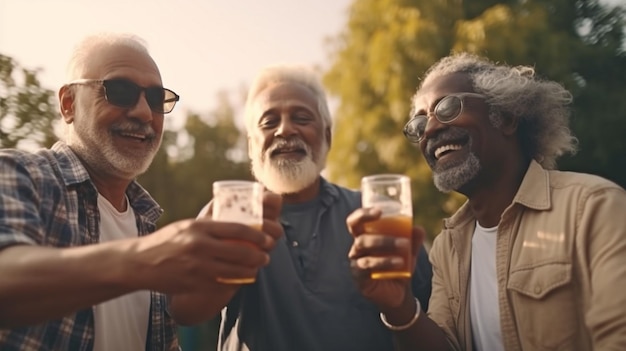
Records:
x=135, y=136
x=445, y=149
x=288, y=151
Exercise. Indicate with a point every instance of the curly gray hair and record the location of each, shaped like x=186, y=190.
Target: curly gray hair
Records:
x=540, y=106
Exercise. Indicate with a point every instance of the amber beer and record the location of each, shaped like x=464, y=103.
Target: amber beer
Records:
x=394, y=225
x=391, y=193
x=242, y=202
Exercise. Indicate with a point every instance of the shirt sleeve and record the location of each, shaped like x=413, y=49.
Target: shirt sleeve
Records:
x=602, y=246
x=20, y=222
x=439, y=308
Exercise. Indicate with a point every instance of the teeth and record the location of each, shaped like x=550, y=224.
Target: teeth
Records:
x=440, y=150
x=132, y=135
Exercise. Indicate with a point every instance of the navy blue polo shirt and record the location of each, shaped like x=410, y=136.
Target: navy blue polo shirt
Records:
x=306, y=298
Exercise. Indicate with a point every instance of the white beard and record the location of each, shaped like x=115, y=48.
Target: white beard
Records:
x=453, y=178
x=286, y=176
x=97, y=148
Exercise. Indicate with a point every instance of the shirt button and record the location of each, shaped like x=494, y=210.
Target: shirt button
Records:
x=294, y=243
x=537, y=289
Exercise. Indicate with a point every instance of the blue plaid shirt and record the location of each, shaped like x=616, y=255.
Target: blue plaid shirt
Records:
x=48, y=199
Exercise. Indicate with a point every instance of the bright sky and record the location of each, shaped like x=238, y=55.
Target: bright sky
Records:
x=201, y=46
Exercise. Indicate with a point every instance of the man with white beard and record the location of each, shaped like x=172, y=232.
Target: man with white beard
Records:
x=306, y=298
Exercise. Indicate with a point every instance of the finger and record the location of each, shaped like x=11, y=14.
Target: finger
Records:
x=232, y=231
x=272, y=205
x=379, y=245
x=235, y=253
x=386, y=263
x=358, y=273
x=206, y=211
x=356, y=219
x=274, y=229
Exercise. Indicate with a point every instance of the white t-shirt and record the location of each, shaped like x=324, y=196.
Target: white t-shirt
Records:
x=484, y=308
x=120, y=323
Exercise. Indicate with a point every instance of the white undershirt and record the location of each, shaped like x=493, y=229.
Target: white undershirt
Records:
x=484, y=309
x=121, y=323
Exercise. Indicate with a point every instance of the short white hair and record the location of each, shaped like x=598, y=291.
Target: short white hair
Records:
x=87, y=45
x=289, y=73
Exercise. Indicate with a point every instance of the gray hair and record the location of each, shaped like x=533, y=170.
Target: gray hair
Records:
x=541, y=106
x=291, y=74
x=85, y=47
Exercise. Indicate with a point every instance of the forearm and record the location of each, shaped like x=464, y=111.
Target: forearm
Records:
x=194, y=308
x=40, y=283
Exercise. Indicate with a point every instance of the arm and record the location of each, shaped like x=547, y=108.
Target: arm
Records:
x=393, y=297
x=602, y=245
x=40, y=283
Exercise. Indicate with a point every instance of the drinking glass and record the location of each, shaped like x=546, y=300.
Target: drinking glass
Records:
x=238, y=201
x=391, y=193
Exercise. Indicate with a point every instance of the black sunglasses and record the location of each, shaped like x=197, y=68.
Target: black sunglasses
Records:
x=124, y=93
x=446, y=111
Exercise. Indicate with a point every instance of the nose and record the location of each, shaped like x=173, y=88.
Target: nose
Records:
x=433, y=126
x=141, y=111
x=286, y=128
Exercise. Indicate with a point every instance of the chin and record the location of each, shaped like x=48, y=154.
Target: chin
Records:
x=454, y=178
x=286, y=178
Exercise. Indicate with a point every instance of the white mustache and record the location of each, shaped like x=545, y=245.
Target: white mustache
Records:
x=293, y=143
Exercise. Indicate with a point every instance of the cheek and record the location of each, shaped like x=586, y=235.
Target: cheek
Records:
x=157, y=124
x=422, y=147
x=256, y=144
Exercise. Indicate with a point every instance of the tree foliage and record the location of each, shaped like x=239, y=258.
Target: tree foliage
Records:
x=28, y=112
x=388, y=44
x=207, y=149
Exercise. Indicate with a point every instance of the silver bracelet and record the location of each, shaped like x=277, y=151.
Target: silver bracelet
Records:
x=418, y=310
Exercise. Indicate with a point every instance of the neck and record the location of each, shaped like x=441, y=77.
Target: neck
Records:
x=304, y=195
x=490, y=197
x=112, y=188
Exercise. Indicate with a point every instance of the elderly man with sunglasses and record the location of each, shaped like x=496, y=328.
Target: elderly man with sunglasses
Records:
x=536, y=258
x=78, y=268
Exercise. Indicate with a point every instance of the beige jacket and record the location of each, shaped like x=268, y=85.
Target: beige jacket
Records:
x=561, y=266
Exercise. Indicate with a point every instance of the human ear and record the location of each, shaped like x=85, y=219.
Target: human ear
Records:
x=509, y=124
x=66, y=103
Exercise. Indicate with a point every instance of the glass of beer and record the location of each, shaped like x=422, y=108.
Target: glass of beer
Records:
x=238, y=201
x=391, y=193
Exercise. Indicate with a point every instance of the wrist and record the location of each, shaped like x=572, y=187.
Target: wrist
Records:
x=398, y=321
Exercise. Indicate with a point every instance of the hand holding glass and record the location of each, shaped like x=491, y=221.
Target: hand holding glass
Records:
x=238, y=201
x=391, y=193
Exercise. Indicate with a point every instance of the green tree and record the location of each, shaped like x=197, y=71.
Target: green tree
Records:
x=388, y=44
x=207, y=149
x=28, y=112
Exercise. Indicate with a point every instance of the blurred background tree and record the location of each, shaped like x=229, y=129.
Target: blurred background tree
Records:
x=28, y=112
x=387, y=45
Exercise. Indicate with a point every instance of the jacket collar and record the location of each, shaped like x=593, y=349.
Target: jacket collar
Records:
x=534, y=193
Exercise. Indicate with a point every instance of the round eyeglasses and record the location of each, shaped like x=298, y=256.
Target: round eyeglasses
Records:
x=446, y=111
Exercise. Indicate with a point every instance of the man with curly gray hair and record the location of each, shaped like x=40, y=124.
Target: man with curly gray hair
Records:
x=536, y=258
